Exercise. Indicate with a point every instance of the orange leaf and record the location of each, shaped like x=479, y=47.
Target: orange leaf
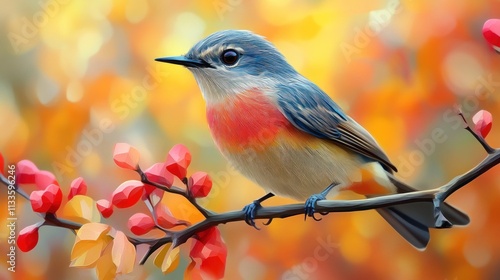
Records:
x=91, y=240
x=126, y=156
x=123, y=254
x=105, y=268
x=81, y=209
x=164, y=217
x=92, y=231
x=168, y=258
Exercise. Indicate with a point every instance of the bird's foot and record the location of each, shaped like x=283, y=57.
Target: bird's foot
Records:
x=250, y=211
x=310, y=205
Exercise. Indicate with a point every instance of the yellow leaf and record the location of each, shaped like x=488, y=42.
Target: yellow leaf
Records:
x=168, y=258
x=171, y=262
x=86, y=253
x=91, y=239
x=161, y=254
x=123, y=253
x=92, y=231
x=105, y=268
x=81, y=209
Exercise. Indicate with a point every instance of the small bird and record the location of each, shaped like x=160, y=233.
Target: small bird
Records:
x=283, y=132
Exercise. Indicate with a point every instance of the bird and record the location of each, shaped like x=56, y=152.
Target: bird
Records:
x=287, y=135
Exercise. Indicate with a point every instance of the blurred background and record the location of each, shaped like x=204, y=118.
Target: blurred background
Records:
x=76, y=77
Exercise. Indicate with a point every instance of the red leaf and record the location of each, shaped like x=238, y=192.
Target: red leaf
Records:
x=78, y=187
x=483, y=121
x=199, y=184
x=140, y=223
x=44, y=178
x=491, y=32
x=178, y=160
x=25, y=172
x=105, y=207
x=209, y=252
x=126, y=156
x=164, y=217
x=193, y=272
x=158, y=173
x=28, y=238
x=46, y=201
x=127, y=194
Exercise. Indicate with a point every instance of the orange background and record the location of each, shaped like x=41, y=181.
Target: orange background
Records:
x=68, y=68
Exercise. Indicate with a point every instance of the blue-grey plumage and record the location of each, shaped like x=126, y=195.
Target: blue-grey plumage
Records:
x=251, y=90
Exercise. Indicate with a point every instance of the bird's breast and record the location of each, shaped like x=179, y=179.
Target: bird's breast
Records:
x=250, y=120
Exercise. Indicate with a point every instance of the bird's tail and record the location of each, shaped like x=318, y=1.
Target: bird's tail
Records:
x=413, y=220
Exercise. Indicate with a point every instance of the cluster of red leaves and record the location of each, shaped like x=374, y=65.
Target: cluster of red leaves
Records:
x=208, y=256
x=208, y=252
x=46, y=199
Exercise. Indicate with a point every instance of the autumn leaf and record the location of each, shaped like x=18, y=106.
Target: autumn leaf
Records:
x=78, y=186
x=199, y=184
x=26, y=171
x=483, y=120
x=491, y=32
x=178, y=160
x=81, y=209
x=127, y=194
x=47, y=200
x=91, y=240
x=105, y=268
x=123, y=253
x=140, y=223
x=28, y=238
x=168, y=258
x=158, y=173
x=126, y=156
x=105, y=207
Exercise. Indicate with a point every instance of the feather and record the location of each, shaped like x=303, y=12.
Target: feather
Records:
x=309, y=109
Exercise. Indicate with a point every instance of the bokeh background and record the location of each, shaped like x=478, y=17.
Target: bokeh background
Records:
x=398, y=67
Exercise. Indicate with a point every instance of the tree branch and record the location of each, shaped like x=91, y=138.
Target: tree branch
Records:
x=434, y=197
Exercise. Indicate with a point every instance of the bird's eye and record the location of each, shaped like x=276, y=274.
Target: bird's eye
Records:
x=229, y=57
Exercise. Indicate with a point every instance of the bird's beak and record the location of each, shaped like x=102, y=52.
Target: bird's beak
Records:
x=182, y=60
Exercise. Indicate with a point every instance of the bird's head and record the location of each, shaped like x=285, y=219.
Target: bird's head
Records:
x=233, y=61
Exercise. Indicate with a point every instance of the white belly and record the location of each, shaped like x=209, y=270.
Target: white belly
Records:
x=298, y=173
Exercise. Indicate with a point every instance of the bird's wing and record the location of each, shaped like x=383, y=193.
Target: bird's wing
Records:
x=309, y=109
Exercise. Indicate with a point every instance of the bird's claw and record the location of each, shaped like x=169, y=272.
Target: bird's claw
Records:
x=310, y=206
x=250, y=211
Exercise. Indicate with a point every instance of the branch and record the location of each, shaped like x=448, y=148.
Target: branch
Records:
x=435, y=197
